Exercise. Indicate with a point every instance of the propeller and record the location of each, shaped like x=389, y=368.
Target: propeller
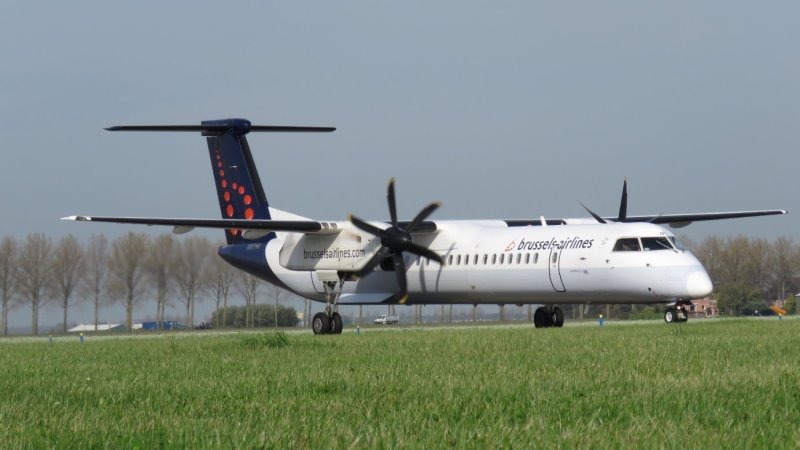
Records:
x=623, y=206
x=395, y=240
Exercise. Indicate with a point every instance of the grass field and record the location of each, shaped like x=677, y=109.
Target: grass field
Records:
x=706, y=384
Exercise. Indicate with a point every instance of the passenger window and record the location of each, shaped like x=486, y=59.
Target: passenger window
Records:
x=656, y=243
x=527, y=258
x=511, y=258
x=627, y=245
x=519, y=257
x=475, y=260
x=485, y=259
x=502, y=257
x=466, y=260
x=458, y=260
x=555, y=257
x=494, y=258
x=450, y=260
x=536, y=258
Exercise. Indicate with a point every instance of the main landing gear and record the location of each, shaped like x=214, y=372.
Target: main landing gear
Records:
x=548, y=316
x=679, y=312
x=329, y=321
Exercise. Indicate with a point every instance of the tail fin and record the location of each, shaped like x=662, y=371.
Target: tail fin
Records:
x=239, y=189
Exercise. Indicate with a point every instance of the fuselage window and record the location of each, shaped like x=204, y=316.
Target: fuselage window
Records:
x=458, y=260
x=511, y=258
x=485, y=259
x=475, y=260
x=466, y=260
x=627, y=245
x=555, y=257
x=450, y=260
x=535, y=258
x=656, y=243
x=527, y=258
x=494, y=258
x=519, y=257
x=502, y=257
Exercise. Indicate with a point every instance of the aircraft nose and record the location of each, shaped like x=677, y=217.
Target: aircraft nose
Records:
x=698, y=285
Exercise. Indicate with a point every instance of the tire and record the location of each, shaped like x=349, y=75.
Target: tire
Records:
x=558, y=317
x=540, y=318
x=336, y=324
x=669, y=315
x=321, y=324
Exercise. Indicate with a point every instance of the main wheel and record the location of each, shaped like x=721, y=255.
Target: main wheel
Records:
x=321, y=324
x=558, y=317
x=669, y=315
x=539, y=318
x=336, y=324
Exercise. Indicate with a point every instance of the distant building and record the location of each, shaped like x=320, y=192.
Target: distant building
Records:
x=704, y=307
x=86, y=328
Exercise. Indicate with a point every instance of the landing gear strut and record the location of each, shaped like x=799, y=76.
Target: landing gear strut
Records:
x=329, y=321
x=548, y=316
x=679, y=312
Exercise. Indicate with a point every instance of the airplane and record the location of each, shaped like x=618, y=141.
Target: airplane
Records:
x=545, y=261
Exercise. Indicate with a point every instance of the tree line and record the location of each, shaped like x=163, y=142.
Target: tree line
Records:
x=36, y=270
x=749, y=272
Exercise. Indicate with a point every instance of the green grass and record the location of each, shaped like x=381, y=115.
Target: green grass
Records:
x=706, y=384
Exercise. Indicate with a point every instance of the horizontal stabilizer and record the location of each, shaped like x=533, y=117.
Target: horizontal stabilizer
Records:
x=211, y=130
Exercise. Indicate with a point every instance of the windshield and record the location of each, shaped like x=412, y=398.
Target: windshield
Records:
x=656, y=243
x=678, y=243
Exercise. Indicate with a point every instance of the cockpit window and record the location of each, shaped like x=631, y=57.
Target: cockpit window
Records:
x=677, y=243
x=627, y=245
x=656, y=243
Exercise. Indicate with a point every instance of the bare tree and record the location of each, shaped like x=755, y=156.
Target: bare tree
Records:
x=8, y=263
x=277, y=293
x=67, y=271
x=126, y=271
x=188, y=271
x=220, y=278
x=161, y=256
x=248, y=286
x=34, y=266
x=96, y=272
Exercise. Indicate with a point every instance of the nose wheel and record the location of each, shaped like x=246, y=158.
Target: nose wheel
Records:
x=677, y=313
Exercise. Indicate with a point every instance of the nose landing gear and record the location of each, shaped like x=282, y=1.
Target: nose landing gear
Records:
x=677, y=313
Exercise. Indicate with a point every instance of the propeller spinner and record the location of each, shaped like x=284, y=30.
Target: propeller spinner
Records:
x=395, y=240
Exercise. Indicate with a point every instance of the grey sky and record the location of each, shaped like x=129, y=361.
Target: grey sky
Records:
x=498, y=109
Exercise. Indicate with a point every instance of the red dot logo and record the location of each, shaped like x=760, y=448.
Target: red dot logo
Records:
x=227, y=196
x=241, y=189
x=234, y=185
x=224, y=184
x=229, y=210
x=248, y=213
x=219, y=164
x=222, y=173
x=248, y=199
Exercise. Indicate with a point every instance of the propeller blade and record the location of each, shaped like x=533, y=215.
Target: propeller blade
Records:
x=373, y=262
x=422, y=215
x=400, y=275
x=623, y=203
x=371, y=229
x=596, y=217
x=392, y=204
x=426, y=253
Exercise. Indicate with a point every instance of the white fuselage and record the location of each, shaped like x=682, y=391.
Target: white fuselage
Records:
x=489, y=262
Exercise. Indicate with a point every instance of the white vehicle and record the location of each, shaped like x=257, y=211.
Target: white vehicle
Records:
x=386, y=319
x=547, y=262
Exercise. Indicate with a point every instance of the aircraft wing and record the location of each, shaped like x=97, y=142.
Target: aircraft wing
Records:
x=252, y=228
x=682, y=220
x=258, y=226
x=673, y=220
